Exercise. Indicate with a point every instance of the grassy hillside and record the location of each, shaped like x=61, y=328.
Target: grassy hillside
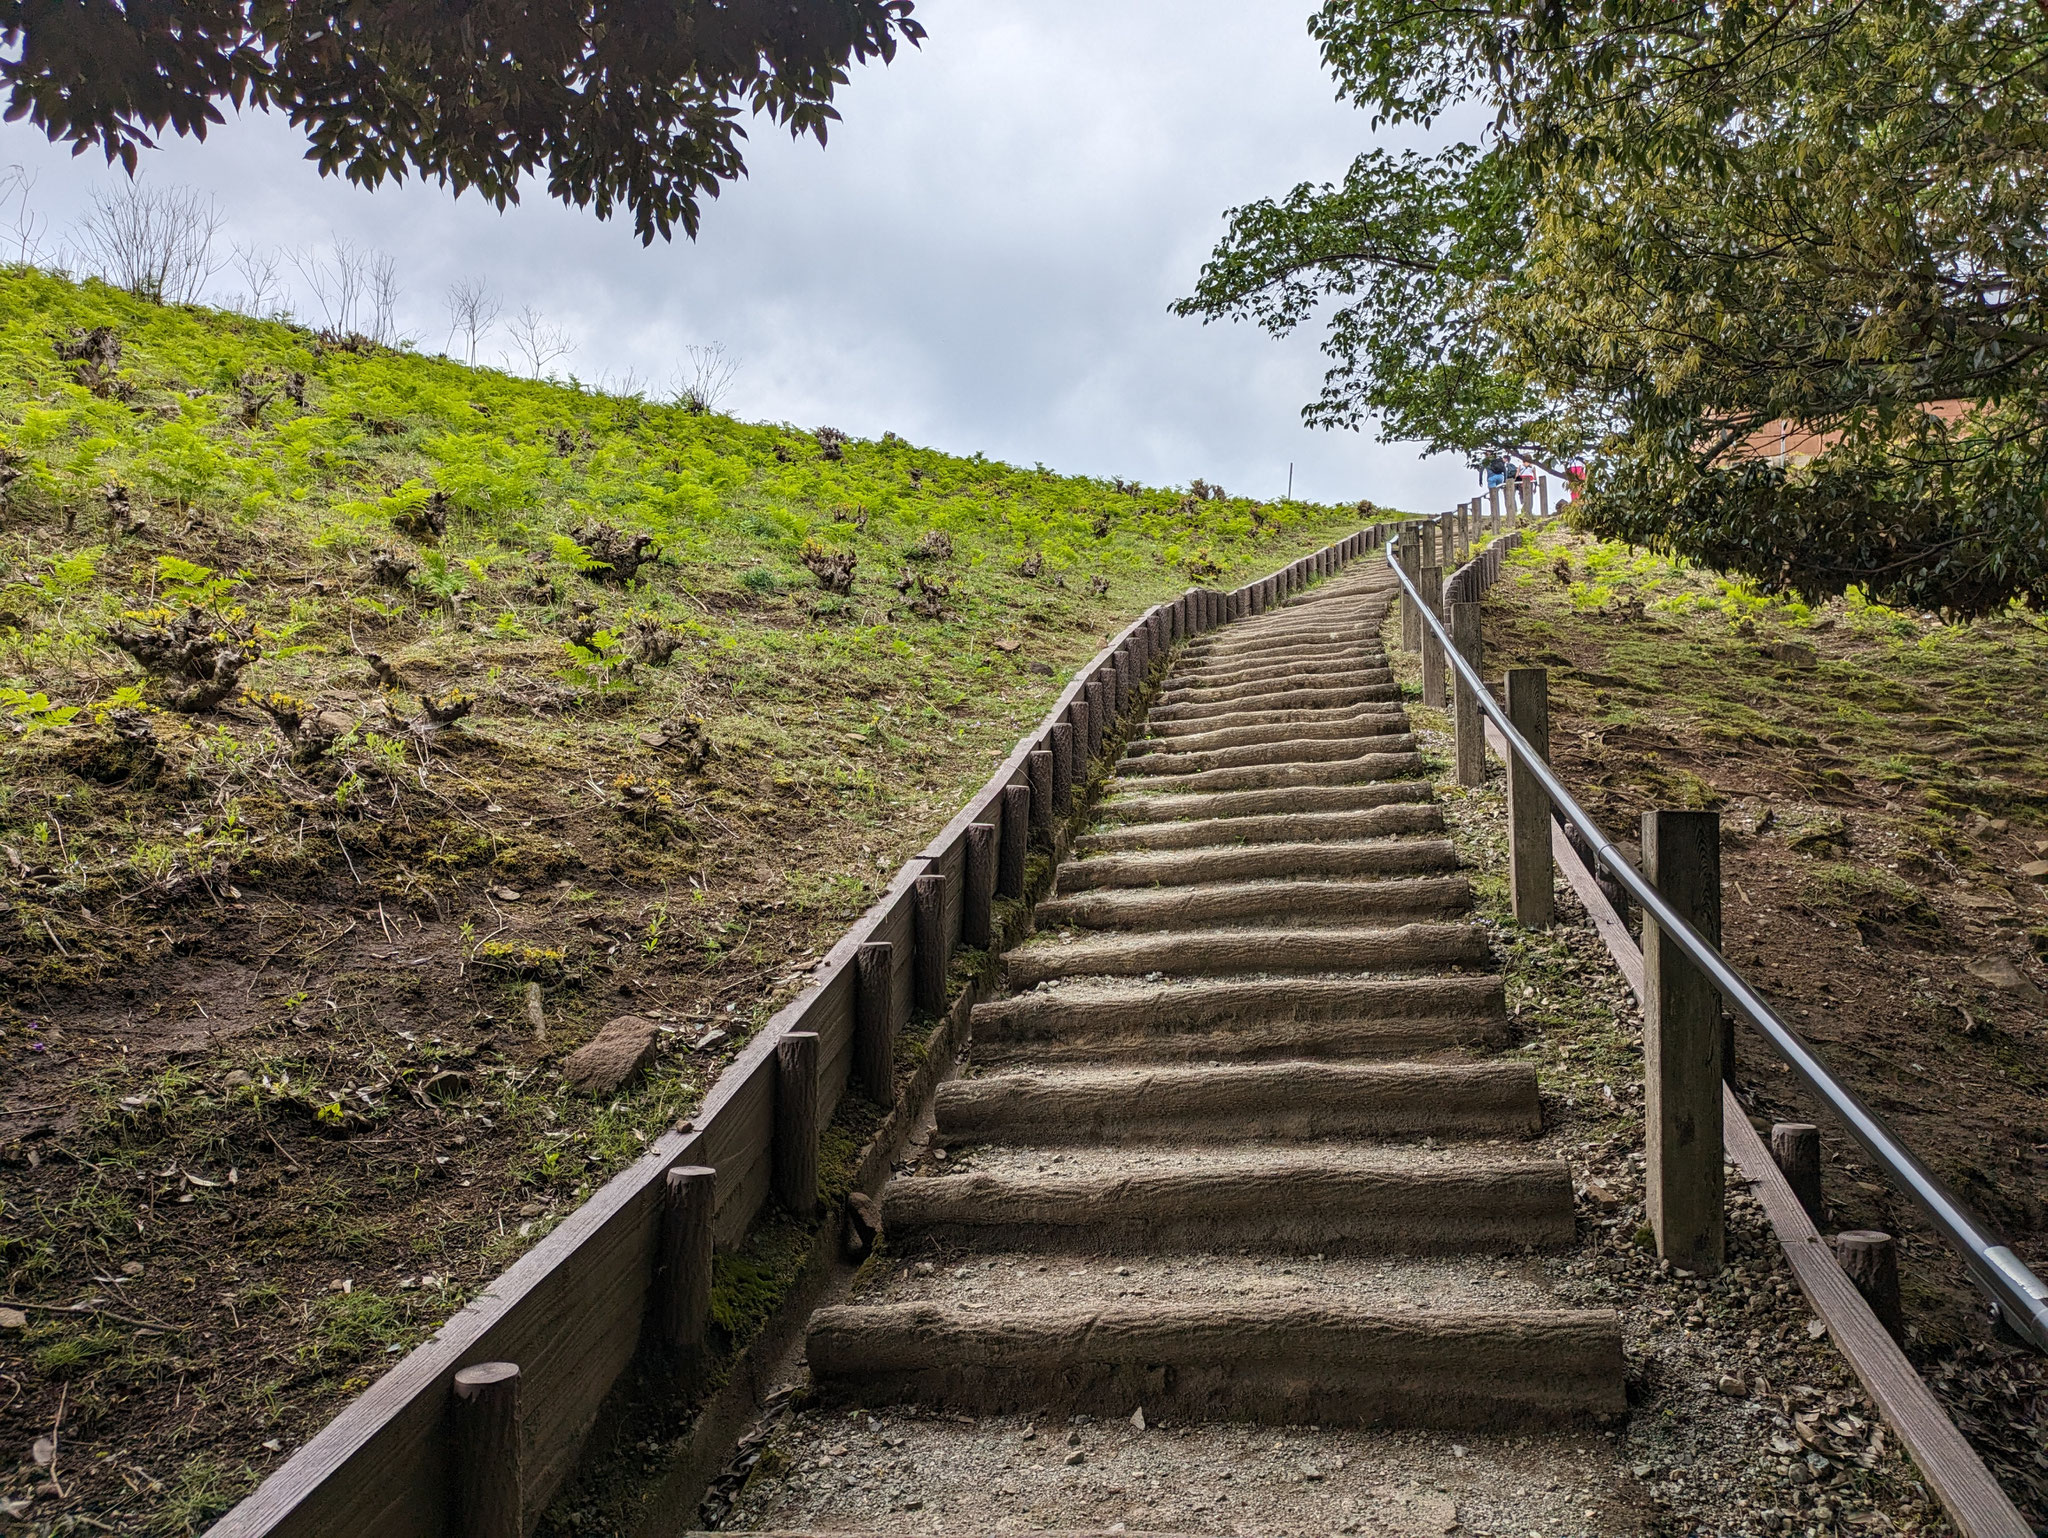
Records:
x=378, y=729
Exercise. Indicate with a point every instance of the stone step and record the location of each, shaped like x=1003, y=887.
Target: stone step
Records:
x=1260, y=1019
x=1259, y=862
x=1284, y=1364
x=1206, y=675
x=1324, y=678
x=1297, y=1100
x=1313, y=715
x=1278, y=828
x=1220, y=952
x=1350, y=1199
x=1289, y=751
x=1136, y=808
x=1395, y=759
x=1278, y=645
x=1301, y=697
x=1302, y=903
x=1370, y=721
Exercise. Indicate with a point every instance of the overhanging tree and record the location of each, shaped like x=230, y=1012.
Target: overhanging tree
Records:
x=1724, y=217
x=626, y=103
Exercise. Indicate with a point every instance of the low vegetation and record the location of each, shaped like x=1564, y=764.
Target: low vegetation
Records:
x=378, y=729
x=1882, y=784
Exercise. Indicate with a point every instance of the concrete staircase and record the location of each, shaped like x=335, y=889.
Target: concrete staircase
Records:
x=1251, y=1033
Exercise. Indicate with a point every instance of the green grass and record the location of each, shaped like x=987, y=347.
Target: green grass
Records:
x=302, y=538
x=256, y=946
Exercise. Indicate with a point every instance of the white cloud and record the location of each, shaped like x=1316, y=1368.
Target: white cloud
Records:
x=981, y=259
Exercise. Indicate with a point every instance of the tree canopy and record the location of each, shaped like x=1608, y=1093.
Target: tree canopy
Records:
x=627, y=103
x=1690, y=221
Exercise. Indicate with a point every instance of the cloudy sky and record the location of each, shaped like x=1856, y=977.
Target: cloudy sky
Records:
x=981, y=259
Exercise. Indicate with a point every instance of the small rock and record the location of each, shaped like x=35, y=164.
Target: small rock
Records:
x=923, y=1268
x=1796, y=654
x=2003, y=975
x=1438, y=1513
x=274, y=1445
x=237, y=1080
x=13, y=1319
x=1138, y=1419
x=862, y=1225
x=1733, y=1387
x=710, y=1041
x=1457, y=1451
x=131, y=1268
x=1073, y=1439
x=1077, y=1456
x=614, y=1058
x=505, y=894
x=2035, y=870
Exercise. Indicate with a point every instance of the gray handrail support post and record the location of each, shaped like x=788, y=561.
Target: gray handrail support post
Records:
x=1411, y=620
x=1685, y=1184
x=1531, y=876
x=1493, y=505
x=1542, y=496
x=1432, y=586
x=1470, y=725
x=2019, y=1298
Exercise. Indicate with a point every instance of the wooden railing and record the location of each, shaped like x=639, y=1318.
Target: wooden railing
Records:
x=421, y=1454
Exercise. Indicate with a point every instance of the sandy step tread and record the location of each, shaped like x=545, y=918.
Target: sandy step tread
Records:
x=1278, y=1364
x=1242, y=1100
x=1208, y=952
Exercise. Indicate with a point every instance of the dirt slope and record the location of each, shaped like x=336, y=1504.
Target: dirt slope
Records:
x=382, y=728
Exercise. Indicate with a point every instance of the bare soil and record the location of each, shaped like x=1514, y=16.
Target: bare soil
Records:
x=1882, y=780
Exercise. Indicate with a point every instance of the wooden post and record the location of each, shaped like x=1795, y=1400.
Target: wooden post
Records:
x=874, y=1021
x=1015, y=846
x=1098, y=715
x=978, y=862
x=931, y=954
x=1543, y=496
x=1871, y=1261
x=1795, y=1145
x=1470, y=724
x=1062, y=768
x=1078, y=713
x=795, y=1150
x=1528, y=496
x=1493, y=506
x=490, y=1498
x=1682, y=1045
x=1038, y=779
x=1411, y=564
x=686, y=1208
x=1529, y=868
x=1432, y=586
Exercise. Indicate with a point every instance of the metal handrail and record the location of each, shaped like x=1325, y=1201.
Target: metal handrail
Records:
x=2018, y=1297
